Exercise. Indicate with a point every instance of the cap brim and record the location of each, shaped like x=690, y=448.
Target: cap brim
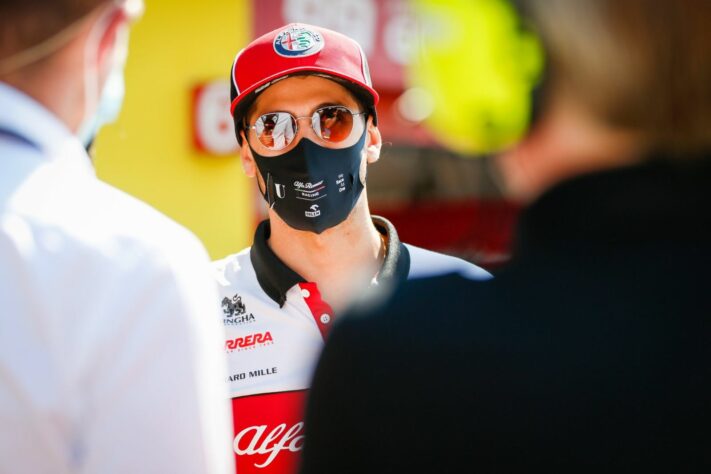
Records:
x=245, y=99
x=362, y=92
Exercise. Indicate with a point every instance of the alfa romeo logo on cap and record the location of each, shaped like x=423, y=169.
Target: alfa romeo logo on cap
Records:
x=298, y=41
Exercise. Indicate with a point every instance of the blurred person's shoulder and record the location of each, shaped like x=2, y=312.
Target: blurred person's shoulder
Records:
x=425, y=304
x=70, y=210
x=435, y=282
x=137, y=223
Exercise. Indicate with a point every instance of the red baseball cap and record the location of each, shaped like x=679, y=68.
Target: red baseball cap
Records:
x=293, y=49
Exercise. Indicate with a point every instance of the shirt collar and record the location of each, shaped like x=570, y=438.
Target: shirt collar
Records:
x=275, y=278
x=29, y=121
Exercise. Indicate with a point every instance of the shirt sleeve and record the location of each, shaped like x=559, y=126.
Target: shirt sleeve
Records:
x=156, y=399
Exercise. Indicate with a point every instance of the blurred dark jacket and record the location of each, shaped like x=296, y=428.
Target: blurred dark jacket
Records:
x=589, y=351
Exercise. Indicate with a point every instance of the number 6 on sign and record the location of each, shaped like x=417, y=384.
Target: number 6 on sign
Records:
x=213, y=129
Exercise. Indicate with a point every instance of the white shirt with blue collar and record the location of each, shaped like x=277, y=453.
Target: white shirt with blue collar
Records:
x=110, y=357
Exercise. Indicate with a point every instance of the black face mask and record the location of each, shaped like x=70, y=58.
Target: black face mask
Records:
x=311, y=187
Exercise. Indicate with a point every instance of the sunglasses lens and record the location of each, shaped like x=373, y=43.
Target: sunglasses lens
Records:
x=275, y=130
x=333, y=124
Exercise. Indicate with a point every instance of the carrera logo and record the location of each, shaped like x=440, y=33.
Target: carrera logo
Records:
x=249, y=342
x=259, y=441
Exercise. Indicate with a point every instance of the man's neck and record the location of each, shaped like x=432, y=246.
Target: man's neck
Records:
x=342, y=260
x=567, y=141
x=62, y=96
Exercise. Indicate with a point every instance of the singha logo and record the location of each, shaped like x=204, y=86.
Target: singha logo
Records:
x=234, y=306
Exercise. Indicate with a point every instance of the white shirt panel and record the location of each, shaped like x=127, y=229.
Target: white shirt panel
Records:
x=107, y=359
x=426, y=263
x=293, y=333
x=296, y=340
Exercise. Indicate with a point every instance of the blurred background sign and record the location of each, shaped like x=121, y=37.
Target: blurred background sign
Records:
x=151, y=152
x=213, y=128
x=385, y=29
x=387, y=32
x=173, y=145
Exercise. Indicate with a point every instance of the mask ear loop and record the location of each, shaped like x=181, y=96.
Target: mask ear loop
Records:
x=43, y=49
x=91, y=66
x=268, y=194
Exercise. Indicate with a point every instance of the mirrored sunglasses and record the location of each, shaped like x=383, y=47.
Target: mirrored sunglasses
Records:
x=276, y=130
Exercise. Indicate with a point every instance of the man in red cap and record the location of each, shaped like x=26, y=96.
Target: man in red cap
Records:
x=304, y=112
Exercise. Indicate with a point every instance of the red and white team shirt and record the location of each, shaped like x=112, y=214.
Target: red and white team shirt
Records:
x=275, y=325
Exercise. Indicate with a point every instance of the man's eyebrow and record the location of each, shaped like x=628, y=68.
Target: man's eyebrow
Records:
x=329, y=104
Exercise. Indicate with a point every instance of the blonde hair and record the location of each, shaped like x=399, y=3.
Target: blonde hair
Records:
x=642, y=65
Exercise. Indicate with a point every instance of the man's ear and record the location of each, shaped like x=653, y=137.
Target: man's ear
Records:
x=248, y=164
x=373, y=142
x=115, y=35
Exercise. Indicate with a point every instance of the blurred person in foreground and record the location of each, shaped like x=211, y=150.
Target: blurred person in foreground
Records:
x=590, y=350
x=107, y=361
x=304, y=114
